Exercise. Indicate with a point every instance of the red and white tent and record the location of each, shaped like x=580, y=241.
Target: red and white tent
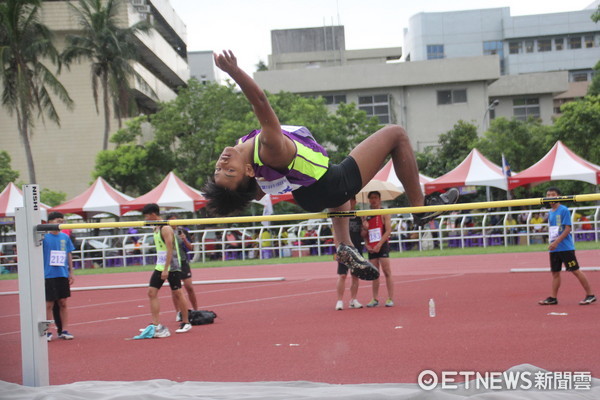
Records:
x=475, y=170
x=386, y=181
x=11, y=198
x=99, y=198
x=388, y=174
x=172, y=192
x=560, y=163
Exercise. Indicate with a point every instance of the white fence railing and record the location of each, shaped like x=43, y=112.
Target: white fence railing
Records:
x=314, y=237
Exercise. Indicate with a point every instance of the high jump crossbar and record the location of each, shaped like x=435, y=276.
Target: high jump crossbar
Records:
x=338, y=214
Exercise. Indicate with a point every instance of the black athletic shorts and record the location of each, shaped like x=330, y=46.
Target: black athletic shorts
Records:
x=384, y=252
x=186, y=271
x=340, y=183
x=558, y=258
x=174, y=279
x=57, y=288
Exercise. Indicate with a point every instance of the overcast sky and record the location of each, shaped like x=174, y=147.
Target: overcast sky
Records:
x=244, y=26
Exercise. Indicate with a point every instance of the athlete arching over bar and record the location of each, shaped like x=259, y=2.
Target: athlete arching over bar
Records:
x=278, y=159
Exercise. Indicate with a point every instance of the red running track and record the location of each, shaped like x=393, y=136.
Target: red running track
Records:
x=487, y=320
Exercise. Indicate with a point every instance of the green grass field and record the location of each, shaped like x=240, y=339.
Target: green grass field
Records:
x=287, y=260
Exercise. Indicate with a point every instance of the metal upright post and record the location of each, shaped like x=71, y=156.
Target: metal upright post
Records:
x=32, y=301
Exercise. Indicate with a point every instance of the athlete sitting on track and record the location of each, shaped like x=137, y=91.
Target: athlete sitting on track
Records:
x=278, y=159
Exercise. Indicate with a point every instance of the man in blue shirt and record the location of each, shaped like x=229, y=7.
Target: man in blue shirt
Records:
x=562, y=250
x=58, y=273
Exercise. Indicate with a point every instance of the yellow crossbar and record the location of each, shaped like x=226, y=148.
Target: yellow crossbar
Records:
x=360, y=213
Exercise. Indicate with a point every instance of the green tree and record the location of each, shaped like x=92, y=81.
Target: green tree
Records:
x=594, y=88
x=52, y=198
x=261, y=66
x=596, y=15
x=523, y=143
x=131, y=167
x=453, y=147
x=27, y=81
x=192, y=130
x=7, y=174
x=578, y=127
x=111, y=49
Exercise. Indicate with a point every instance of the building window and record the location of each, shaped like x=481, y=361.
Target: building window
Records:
x=544, y=45
x=589, y=41
x=575, y=42
x=451, y=96
x=559, y=44
x=581, y=76
x=514, y=47
x=493, y=47
x=526, y=108
x=529, y=46
x=335, y=99
x=376, y=106
x=435, y=51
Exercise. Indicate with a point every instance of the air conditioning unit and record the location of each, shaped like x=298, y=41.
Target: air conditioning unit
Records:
x=143, y=9
x=137, y=3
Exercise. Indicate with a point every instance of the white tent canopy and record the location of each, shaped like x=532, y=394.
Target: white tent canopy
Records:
x=474, y=170
x=560, y=163
x=11, y=198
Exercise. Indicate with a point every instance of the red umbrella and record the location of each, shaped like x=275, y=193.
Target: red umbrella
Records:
x=172, y=192
x=98, y=198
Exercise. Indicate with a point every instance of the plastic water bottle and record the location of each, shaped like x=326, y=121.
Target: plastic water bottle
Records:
x=431, y=308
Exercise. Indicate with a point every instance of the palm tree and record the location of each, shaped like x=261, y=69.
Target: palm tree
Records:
x=26, y=81
x=110, y=48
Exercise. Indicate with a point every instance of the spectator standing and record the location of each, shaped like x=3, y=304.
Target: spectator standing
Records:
x=356, y=228
x=168, y=266
x=377, y=232
x=58, y=275
x=562, y=250
x=184, y=241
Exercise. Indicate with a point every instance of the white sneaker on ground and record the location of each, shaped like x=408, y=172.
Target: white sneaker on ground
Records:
x=161, y=331
x=373, y=303
x=184, y=327
x=339, y=305
x=66, y=335
x=354, y=304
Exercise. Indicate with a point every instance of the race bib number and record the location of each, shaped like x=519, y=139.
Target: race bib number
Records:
x=553, y=232
x=374, y=235
x=58, y=258
x=161, y=258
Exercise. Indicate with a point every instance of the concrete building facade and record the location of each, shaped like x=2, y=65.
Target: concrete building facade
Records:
x=65, y=155
x=202, y=66
x=456, y=66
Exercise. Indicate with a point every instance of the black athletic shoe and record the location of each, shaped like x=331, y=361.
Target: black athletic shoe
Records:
x=450, y=197
x=550, y=301
x=588, y=300
x=360, y=267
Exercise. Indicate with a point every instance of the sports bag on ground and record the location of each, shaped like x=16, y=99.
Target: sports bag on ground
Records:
x=201, y=317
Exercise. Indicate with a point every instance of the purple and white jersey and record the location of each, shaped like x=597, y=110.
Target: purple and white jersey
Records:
x=308, y=166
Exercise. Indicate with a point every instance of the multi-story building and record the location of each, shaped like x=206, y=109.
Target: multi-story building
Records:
x=543, y=58
x=202, y=66
x=470, y=65
x=65, y=155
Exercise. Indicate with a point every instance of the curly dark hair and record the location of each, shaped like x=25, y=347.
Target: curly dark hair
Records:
x=223, y=201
